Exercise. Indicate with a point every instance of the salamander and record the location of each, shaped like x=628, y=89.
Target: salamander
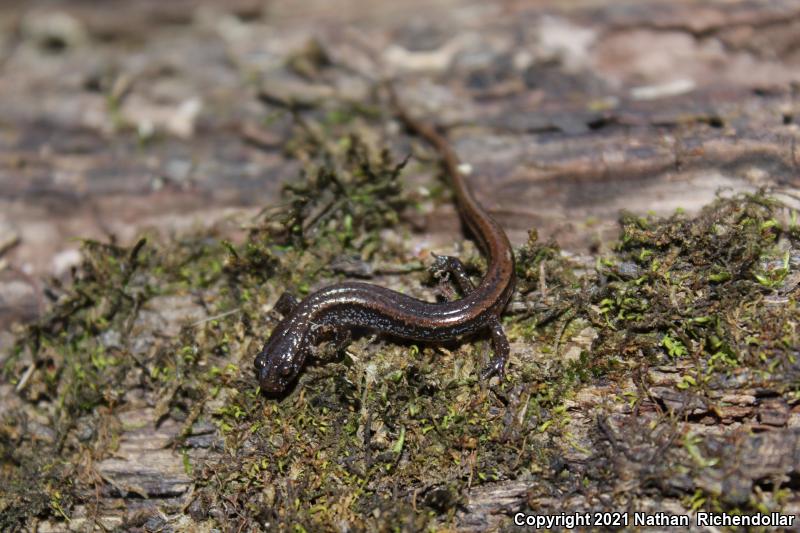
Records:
x=336, y=309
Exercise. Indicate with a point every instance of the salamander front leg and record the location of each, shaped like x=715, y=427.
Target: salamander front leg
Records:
x=341, y=338
x=286, y=303
x=455, y=268
x=334, y=340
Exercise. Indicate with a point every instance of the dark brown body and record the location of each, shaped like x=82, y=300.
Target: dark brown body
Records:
x=353, y=304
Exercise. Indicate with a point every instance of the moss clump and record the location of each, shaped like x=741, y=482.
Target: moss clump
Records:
x=714, y=289
x=691, y=314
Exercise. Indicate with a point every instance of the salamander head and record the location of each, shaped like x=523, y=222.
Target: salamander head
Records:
x=279, y=362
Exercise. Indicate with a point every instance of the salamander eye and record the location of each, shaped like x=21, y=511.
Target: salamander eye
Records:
x=285, y=371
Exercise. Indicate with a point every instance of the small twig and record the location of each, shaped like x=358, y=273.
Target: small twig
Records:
x=215, y=317
x=561, y=330
x=8, y=242
x=25, y=377
x=542, y=280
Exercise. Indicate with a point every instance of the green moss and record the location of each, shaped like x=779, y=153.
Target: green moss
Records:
x=391, y=435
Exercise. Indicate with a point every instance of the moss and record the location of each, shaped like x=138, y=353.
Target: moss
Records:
x=697, y=284
x=392, y=435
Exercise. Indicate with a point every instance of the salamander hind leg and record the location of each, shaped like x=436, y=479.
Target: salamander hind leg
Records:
x=497, y=365
x=449, y=268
